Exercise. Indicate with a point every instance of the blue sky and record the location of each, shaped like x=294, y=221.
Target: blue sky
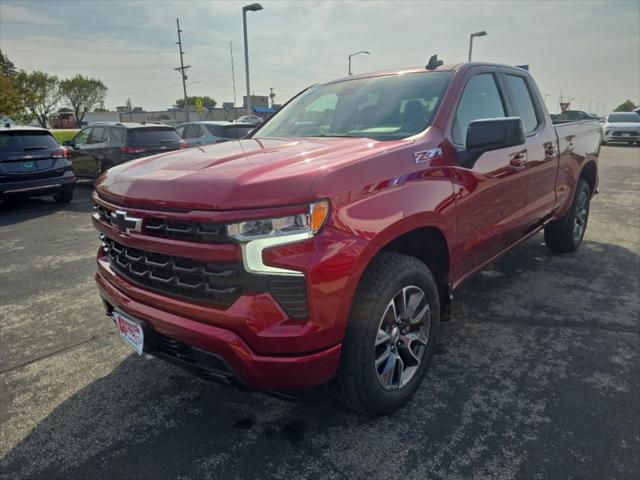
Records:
x=589, y=49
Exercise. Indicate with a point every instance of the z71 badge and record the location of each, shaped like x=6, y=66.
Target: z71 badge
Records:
x=420, y=157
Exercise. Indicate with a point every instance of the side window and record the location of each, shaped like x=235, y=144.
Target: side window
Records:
x=524, y=102
x=82, y=138
x=97, y=135
x=192, y=131
x=117, y=134
x=215, y=130
x=180, y=130
x=480, y=99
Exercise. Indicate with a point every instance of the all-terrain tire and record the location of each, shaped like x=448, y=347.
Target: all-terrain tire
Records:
x=566, y=235
x=357, y=385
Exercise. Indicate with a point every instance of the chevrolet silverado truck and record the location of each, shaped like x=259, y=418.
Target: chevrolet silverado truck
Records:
x=322, y=251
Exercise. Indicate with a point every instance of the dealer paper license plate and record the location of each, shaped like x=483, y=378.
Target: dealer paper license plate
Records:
x=130, y=331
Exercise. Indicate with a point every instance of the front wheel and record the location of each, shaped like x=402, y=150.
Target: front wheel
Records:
x=566, y=235
x=390, y=336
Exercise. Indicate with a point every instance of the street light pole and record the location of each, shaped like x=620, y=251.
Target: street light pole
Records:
x=353, y=55
x=476, y=34
x=254, y=7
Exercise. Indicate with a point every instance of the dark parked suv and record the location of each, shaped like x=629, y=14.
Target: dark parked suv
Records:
x=102, y=145
x=33, y=163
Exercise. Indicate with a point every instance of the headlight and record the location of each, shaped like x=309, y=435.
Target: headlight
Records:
x=307, y=223
x=256, y=235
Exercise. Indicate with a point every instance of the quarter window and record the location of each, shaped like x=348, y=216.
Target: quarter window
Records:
x=480, y=99
x=524, y=102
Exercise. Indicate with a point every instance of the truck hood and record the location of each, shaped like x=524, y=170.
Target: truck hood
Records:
x=250, y=173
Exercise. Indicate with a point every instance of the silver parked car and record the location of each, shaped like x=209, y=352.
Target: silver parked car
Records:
x=204, y=133
x=621, y=127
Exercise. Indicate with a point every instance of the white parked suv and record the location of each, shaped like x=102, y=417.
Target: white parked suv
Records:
x=621, y=127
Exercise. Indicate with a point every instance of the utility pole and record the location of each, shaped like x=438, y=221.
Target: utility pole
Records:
x=272, y=95
x=182, y=69
x=233, y=79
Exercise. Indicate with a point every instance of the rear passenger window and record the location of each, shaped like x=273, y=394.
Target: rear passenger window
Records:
x=191, y=131
x=524, y=102
x=480, y=99
x=117, y=134
x=98, y=135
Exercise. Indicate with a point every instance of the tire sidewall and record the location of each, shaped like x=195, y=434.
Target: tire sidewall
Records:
x=582, y=186
x=388, y=400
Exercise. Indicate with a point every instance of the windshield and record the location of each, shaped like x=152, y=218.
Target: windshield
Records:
x=623, y=118
x=382, y=108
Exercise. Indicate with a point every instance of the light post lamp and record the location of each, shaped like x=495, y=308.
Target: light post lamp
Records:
x=353, y=55
x=254, y=7
x=477, y=34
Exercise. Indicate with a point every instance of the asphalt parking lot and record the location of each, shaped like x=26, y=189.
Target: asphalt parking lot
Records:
x=537, y=377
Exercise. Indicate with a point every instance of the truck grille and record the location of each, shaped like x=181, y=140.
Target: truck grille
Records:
x=190, y=231
x=182, y=277
x=217, y=283
x=627, y=133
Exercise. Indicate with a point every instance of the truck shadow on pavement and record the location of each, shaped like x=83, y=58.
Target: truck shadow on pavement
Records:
x=536, y=373
x=19, y=210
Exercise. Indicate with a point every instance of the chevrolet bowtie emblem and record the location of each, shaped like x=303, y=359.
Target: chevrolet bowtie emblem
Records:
x=124, y=223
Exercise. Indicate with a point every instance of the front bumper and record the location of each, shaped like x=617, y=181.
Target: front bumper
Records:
x=618, y=138
x=36, y=187
x=237, y=361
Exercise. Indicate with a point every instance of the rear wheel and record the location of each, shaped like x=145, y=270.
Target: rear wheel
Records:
x=390, y=337
x=566, y=235
x=64, y=197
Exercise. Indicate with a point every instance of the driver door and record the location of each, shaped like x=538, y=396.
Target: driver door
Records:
x=79, y=153
x=491, y=192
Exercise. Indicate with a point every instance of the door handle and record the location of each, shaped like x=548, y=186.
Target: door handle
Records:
x=550, y=150
x=519, y=159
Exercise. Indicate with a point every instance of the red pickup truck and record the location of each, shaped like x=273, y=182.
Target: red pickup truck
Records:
x=322, y=250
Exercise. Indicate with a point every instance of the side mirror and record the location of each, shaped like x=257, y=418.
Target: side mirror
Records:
x=68, y=143
x=489, y=134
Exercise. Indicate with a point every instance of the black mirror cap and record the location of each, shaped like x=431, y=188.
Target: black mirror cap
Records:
x=68, y=143
x=494, y=133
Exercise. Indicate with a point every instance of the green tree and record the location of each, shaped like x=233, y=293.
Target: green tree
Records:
x=6, y=66
x=11, y=103
x=82, y=94
x=626, y=106
x=207, y=102
x=40, y=94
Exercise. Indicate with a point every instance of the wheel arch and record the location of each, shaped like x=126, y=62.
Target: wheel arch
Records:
x=426, y=240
